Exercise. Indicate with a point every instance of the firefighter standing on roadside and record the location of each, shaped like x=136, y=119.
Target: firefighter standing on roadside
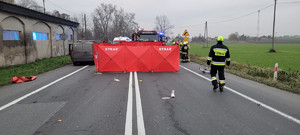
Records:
x=185, y=52
x=218, y=56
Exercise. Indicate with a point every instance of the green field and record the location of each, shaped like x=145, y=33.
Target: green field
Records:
x=287, y=55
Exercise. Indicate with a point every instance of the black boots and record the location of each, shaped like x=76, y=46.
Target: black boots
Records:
x=216, y=85
x=221, y=86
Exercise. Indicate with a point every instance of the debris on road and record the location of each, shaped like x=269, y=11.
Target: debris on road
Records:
x=165, y=98
x=20, y=79
x=59, y=120
x=116, y=80
x=98, y=73
x=173, y=94
x=205, y=70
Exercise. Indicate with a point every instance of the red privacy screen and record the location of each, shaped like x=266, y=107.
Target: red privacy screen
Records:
x=136, y=56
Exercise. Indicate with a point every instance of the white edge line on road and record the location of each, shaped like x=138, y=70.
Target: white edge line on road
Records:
x=139, y=109
x=128, y=124
x=250, y=99
x=40, y=89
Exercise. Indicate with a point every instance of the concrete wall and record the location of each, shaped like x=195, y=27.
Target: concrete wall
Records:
x=12, y=51
x=26, y=49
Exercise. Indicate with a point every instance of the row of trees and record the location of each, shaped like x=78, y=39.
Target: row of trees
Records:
x=198, y=39
x=107, y=22
x=110, y=22
x=232, y=37
x=235, y=36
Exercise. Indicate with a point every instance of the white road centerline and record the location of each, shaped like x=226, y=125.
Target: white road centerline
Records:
x=139, y=109
x=40, y=89
x=128, y=124
x=250, y=99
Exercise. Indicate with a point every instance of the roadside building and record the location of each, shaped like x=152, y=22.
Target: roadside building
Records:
x=27, y=35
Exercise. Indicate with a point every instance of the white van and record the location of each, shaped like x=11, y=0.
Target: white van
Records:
x=121, y=39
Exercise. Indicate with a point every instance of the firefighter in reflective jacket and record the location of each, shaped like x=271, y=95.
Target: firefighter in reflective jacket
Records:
x=218, y=56
x=185, y=52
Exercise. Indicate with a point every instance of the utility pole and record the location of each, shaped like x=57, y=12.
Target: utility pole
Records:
x=44, y=6
x=257, y=36
x=205, y=36
x=84, y=26
x=273, y=50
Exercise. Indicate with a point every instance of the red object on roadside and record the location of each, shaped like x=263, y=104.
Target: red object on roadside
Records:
x=20, y=79
x=136, y=56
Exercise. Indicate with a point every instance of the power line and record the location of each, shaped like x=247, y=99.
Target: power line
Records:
x=228, y=20
x=60, y=7
x=236, y=18
x=271, y=5
x=232, y=19
x=184, y=26
x=287, y=2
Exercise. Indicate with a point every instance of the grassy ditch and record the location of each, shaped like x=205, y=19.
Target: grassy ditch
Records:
x=289, y=81
x=35, y=68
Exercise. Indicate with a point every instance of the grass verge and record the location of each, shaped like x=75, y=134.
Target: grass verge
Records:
x=289, y=81
x=35, y=68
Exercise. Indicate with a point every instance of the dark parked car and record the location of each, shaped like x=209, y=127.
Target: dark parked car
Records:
x=81, y=52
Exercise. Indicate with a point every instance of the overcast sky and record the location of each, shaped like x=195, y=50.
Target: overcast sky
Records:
x=192, y=14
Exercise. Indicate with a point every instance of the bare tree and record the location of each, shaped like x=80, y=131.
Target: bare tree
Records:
x=123, y=24
x=31, y=4
x=56, y=13
x=84, y=30
x=163, y=24
x=233, y=36
x=118, y=23
x=98, y=31
x=65, y=16
x=103, y=17
x=132, y=26
x=109, y=22
x=8, y=1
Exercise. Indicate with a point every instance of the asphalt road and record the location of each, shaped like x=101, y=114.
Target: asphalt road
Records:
x=111, y=103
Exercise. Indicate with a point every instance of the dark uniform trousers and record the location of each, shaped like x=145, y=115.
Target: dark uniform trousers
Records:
x=213, y=72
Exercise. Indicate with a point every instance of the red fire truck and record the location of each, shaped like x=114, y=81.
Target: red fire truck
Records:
x=149, y=35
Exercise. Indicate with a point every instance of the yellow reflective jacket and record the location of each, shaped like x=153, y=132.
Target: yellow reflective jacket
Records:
x=219, y=55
